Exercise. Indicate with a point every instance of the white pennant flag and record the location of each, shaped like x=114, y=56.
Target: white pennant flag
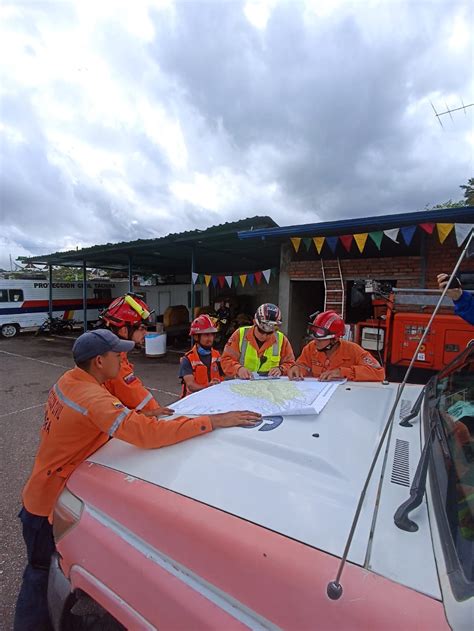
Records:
x=228, y=280
x=392, y=234
x=195, y=277
x=266, y=273
x=462, y=230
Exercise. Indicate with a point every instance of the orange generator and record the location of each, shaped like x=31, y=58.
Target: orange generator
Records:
x=399, y=322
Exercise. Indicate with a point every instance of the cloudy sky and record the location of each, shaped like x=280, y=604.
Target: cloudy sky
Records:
x=128, y=119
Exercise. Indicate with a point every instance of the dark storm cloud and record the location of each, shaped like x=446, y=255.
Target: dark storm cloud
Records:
x=329, y=99
x=309, y=118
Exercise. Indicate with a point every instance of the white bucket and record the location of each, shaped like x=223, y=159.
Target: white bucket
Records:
x=155, y=344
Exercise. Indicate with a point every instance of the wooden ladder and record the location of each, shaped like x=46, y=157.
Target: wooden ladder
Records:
x=334, y=291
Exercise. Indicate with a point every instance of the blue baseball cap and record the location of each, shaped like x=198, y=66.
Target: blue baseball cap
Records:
x=99, y=342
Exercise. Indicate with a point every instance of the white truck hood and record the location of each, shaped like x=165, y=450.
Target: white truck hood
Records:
x=303, y=479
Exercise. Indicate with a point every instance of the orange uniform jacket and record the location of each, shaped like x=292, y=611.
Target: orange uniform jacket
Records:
x=355, y=363
x=230, y=360
x=129, y=389
x=81, y=416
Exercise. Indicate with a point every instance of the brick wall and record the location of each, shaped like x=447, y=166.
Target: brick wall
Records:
x=408, y=270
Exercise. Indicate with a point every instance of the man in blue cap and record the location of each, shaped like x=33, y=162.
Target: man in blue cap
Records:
x=82, y=415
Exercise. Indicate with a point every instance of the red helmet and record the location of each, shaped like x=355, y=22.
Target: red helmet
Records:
x=327, y=325
x=126, y=310
x=202, y=324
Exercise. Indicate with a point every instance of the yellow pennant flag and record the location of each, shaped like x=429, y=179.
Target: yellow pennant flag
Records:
x=361, y=240
x=296, y=241
x=243, y=278
x=207, y=278
x=443, y=230
x=318, y=243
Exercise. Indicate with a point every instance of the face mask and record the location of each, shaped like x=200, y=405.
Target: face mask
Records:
x=203, y=351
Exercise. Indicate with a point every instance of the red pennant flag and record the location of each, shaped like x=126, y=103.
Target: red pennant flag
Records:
x=346, y=241
x=428, y=227
x=258, y=277
x=221, y=280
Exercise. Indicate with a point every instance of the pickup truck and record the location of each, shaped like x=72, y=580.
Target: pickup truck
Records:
x=245, y=528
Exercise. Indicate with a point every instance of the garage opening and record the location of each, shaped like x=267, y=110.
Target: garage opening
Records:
x=306, y=297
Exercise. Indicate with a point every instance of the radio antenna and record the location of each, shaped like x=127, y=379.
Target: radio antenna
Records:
x=334, y=588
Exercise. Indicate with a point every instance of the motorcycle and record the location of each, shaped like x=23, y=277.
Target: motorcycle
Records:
x=55, y=326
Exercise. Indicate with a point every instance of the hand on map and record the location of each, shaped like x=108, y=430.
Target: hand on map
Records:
x=244, y=373
x=274, y=372
x=214, y=382
x=159, y=412
x=233, y=419
x=330, y=375
x=295, y=373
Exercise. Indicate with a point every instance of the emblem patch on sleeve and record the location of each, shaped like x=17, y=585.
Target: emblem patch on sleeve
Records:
x=129, y=378
x=371, y=361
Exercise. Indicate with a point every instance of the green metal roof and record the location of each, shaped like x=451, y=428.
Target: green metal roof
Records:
x=217, y=250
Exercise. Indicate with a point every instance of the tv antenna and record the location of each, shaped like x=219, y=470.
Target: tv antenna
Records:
x=450, y=111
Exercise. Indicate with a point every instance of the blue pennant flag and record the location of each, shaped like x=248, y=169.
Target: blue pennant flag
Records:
x=407, y=233
x=251, y=278
x=332, y=243
x=215, y=280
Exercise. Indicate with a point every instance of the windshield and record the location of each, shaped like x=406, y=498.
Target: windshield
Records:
x=455, y=394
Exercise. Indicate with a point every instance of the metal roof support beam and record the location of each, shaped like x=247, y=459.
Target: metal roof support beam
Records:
x=50, y=291
x=193, y=300
x=130, y=277
x=84, y=294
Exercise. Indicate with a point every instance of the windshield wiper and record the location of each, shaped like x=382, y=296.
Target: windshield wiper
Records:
x=405, y=422
x=417, y=489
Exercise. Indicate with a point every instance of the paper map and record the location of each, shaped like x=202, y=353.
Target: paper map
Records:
x=268, y=397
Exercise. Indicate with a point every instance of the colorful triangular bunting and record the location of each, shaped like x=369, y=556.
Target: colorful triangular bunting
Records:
x=318, y=243
x=221, y=281
x=428, y=227
x=377, y=237
x=200, y=279
x=214, y=281
x=361, y=240
x=392, y=234
x=407, y=233
x=258, y=277
x=462, y=230
x=346, y=240
x=307, y=243
x=266, y=274
x=443, y=230
x=228, y=280
x=207, y=278
x=332, y=243
x=194, y=277
x=243, y=279
x=236, y=280
x=296, y=241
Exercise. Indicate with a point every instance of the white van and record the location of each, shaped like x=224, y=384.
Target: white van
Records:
x=24, y=304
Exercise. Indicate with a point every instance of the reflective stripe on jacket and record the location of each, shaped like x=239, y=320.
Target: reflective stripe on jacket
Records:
x=200, y=370
x=129, y=389
x=251, y=360
x=354, y=362
x=231, y=357
x=81, y=416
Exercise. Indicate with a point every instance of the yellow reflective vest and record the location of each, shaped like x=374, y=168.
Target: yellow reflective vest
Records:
x=249, y=357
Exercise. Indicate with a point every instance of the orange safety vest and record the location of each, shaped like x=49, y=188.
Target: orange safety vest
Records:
x=200, y=373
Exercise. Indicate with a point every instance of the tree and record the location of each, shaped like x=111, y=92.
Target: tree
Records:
x=467, y=201
x=468, y=192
